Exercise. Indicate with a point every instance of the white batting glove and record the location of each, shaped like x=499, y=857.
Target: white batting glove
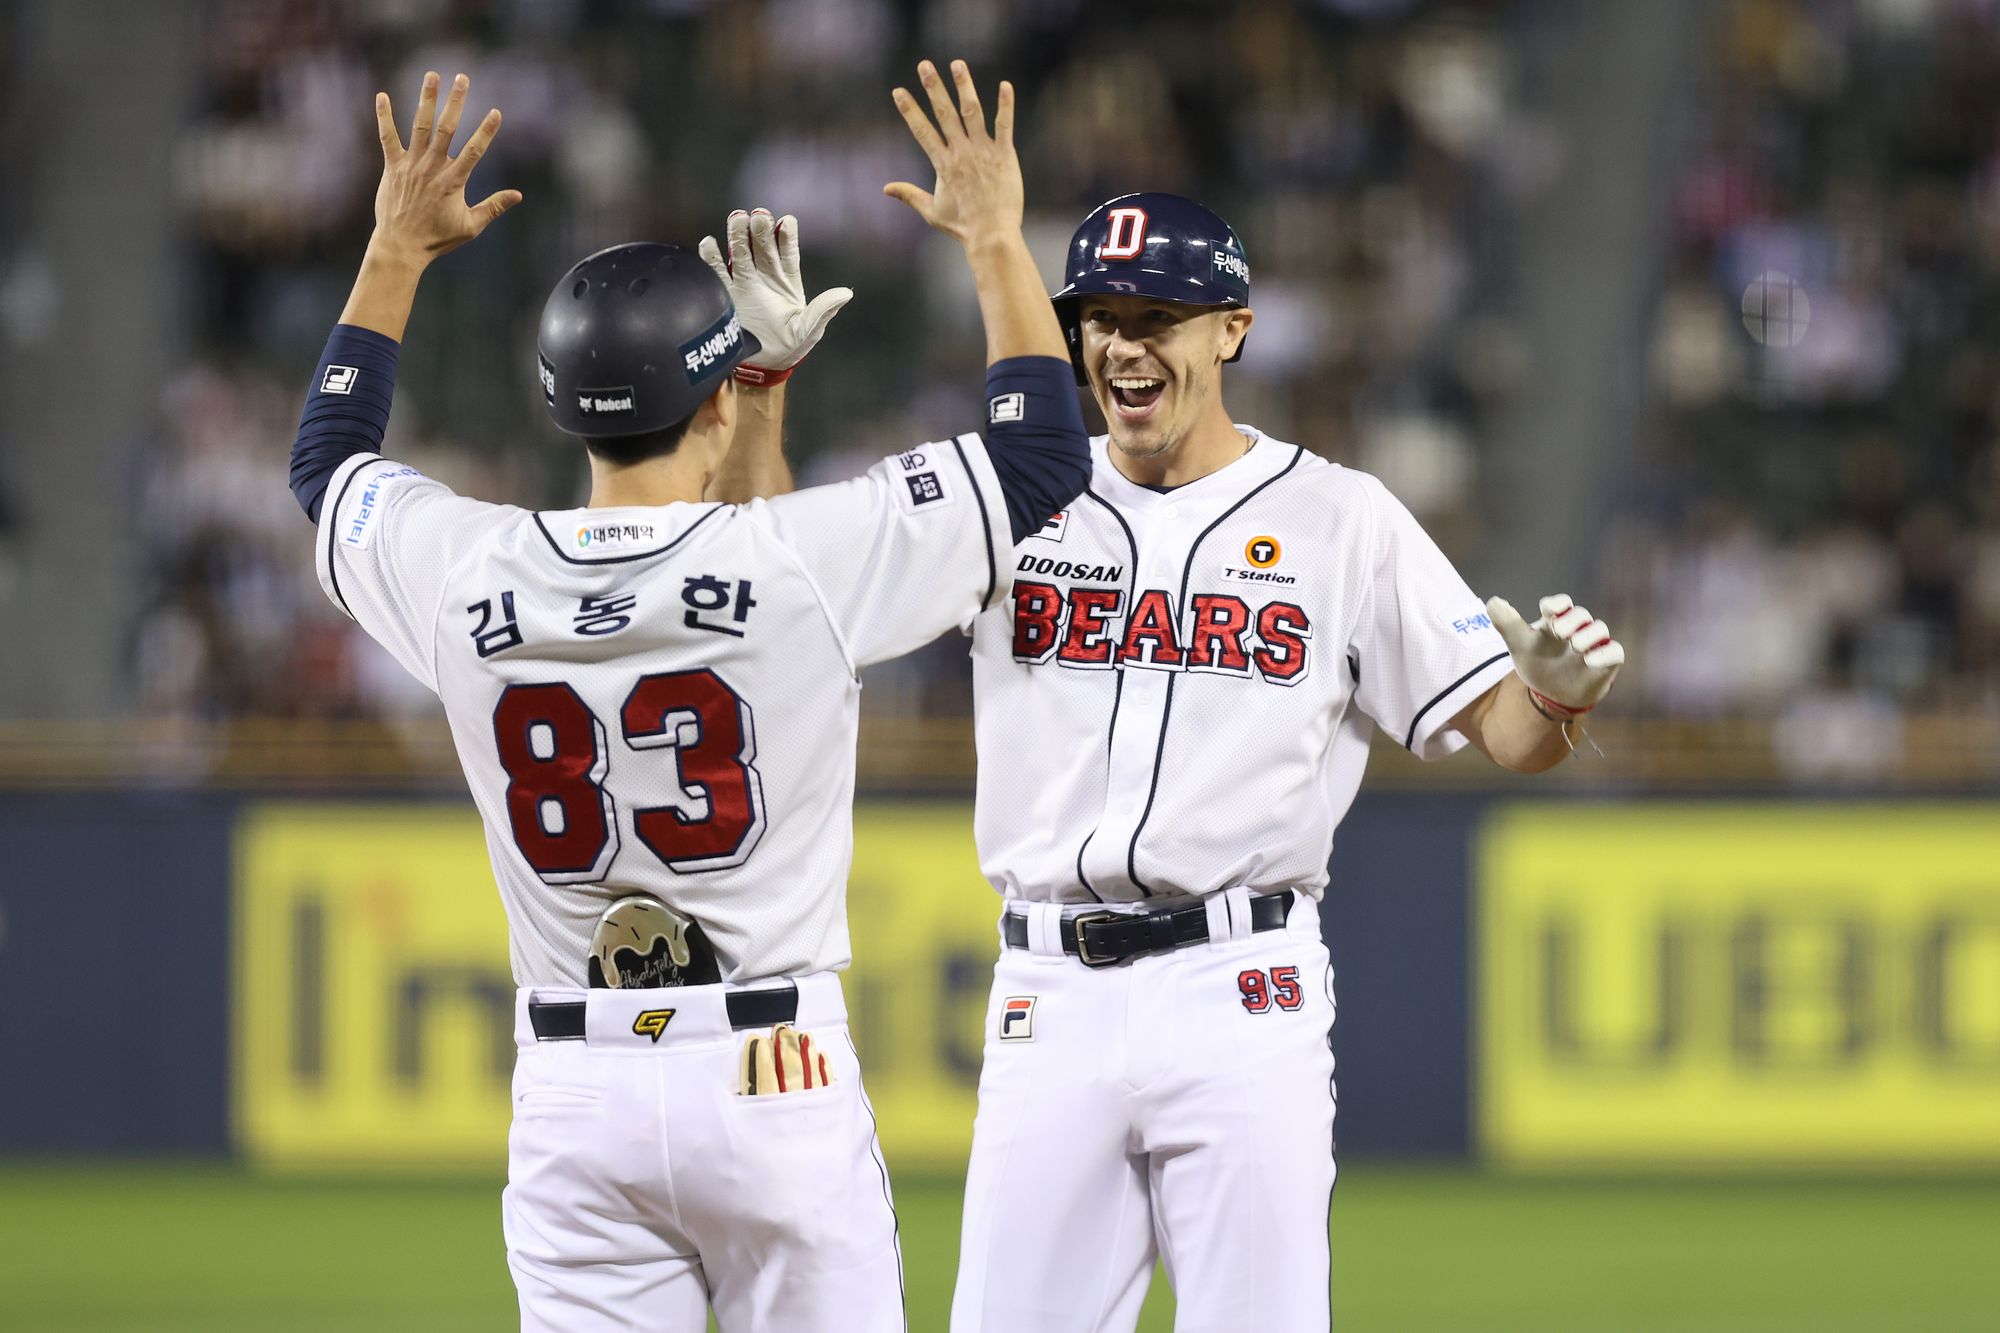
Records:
x=1567, y=659
x=762, y=274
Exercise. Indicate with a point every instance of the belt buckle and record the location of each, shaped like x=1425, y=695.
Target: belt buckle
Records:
x=1083, y=954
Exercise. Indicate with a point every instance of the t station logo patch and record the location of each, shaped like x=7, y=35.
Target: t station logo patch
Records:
x=1260, y=554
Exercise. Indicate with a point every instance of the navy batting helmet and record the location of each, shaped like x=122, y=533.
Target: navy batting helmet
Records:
x=634, y=338
x=1157, y=245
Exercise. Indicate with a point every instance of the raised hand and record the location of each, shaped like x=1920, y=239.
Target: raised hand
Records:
x=977, y=197
x=1567, y=658
x=762, y=273
x=420, y=208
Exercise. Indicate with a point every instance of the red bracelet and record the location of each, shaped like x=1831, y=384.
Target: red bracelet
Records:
x=1550, y=709
x=761, y=377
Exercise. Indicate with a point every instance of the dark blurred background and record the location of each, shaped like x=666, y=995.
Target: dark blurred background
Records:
x=1688, y=308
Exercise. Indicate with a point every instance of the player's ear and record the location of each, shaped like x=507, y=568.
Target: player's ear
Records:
x=721, y=405
x=1235, y=327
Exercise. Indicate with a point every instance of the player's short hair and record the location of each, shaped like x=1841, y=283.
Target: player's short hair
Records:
x=626, y=450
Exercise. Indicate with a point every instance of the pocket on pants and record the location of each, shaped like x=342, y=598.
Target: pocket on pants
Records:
x=553, y=1079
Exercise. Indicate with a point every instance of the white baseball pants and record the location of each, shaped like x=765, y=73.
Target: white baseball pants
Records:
x=1179, y=1105
x=642, y=1188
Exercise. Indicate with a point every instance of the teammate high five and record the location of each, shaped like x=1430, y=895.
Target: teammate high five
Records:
x=654, y=698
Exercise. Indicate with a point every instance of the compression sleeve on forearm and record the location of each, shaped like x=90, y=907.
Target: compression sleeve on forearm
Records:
x=346, y=412
x=1035, y=438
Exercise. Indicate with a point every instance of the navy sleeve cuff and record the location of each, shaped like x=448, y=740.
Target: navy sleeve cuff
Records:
x=1036, y=438
x=346, y=411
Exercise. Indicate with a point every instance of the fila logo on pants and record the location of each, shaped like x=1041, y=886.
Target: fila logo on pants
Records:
x=1017, y=1018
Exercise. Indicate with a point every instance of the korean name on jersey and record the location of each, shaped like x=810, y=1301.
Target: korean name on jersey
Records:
x=664, y=700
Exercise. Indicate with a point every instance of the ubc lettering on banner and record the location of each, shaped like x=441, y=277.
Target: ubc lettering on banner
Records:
x=1772, y=986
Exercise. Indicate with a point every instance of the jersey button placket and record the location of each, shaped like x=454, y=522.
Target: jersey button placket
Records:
x=1143, y=710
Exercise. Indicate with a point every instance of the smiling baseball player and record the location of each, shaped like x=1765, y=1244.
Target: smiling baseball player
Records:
x=655, y=701
x=1173, y=712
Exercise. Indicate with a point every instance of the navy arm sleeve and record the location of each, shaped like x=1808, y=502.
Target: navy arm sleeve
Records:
x=1036, y=438
x=346, y=412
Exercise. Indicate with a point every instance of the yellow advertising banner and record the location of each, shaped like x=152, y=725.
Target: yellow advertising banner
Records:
x=1744, y=985
x=373, y=1005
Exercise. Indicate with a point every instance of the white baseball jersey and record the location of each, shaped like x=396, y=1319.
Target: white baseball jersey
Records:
x=664, y=700
x=1178, y=696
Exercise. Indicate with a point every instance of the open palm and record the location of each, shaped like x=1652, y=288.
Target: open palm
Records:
x=420, y=205
x=978, y=192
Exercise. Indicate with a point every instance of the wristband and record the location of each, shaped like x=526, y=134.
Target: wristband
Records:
x=1550, y=709
x=762, y=378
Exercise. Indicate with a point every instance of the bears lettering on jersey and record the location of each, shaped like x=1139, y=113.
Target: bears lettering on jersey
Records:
x=1218, y=633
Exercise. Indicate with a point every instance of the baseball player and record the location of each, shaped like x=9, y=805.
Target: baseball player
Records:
x=654, y=698
x=1173, y=713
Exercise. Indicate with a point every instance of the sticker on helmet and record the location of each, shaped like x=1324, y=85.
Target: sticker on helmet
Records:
x=707, y=354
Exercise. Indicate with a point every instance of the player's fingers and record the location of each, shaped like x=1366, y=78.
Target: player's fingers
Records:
x=970, y=112
x=920, y=200
x=447, y=121
x=1594, y=634
x=1609, y=654
x=920, y=125
x=711, y=254
x=1568, y=622
x=1003, y=116
x=738, y=232
x=764, y=242
x=491, y=207
x=824, y=307
x=420, y=129
x=1555, y=604
x=788, y=247
x=947, y=114
x=385, y=129
x=1507, y=620
x=475, y=147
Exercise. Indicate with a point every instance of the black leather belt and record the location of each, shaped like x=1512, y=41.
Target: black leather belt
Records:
x=562, y=1020
x=1105, y=939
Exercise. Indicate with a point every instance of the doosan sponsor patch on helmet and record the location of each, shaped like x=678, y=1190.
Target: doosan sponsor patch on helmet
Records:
x=708, y=352
x=1232, y=264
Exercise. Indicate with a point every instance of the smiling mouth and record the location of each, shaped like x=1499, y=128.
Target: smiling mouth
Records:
x=1135, y=395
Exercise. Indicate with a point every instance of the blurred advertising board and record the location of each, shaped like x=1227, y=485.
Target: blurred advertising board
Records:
x=373, y=1006
x=1742, y=985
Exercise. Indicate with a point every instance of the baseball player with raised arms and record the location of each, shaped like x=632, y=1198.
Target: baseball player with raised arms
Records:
x=1173, y=713
x=654, y=699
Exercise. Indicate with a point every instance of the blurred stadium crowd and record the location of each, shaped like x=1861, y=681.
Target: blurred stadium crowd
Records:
x=1349, y=141
x=1808, y=526
x=1812, y=523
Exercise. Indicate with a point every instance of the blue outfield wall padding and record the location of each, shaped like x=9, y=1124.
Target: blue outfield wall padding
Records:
x=1396, y=920
x=114, y=972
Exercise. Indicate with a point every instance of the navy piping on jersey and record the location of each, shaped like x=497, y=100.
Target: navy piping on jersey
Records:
x=333, y=565
x=1180, y=608
x=1332, y=1147
x=985, y=522
x=1117, y=691
x=896, y=1222
x=1410, y=738
x=627, y=559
